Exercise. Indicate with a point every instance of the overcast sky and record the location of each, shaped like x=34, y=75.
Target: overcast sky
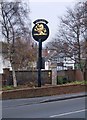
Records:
x=49, y=10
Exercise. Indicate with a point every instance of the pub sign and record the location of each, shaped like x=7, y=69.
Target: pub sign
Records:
x=40, y=30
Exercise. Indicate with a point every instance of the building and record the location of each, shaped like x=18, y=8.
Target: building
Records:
x=58, y=60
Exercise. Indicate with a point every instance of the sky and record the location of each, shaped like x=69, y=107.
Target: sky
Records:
x=50, y=10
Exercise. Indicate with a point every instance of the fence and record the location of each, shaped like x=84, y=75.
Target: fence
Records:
x=72, y=75
x=25, y=77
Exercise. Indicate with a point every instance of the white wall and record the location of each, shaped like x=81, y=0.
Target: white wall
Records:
x=4, y=63
x=1, y=64
x=69, y=62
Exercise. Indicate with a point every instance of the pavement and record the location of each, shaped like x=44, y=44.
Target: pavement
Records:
x=65, y=96
x=37, y=100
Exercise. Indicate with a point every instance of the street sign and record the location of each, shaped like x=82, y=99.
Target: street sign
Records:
x=40, y=33
x=40, y=30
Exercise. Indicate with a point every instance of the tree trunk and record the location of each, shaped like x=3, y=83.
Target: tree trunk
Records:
x=14, y=77
x=85, y=75
x=86, y=59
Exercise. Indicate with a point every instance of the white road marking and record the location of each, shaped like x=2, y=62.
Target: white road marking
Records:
x=68, y=113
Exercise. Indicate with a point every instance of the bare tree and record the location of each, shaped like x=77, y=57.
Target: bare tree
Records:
x=25, y=55
x=15, y=23
x=70, y=35
x=84, y=9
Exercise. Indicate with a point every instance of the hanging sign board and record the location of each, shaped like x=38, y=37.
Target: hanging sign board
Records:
x=40, y=30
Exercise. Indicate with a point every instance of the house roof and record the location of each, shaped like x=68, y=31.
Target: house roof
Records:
x=53, y=54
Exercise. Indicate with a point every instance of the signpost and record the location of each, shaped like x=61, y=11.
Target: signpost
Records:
x=40, y=33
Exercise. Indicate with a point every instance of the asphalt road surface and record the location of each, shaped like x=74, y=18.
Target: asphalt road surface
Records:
x=70, y=108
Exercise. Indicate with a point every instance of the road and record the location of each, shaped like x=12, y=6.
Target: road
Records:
x=69, y=108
